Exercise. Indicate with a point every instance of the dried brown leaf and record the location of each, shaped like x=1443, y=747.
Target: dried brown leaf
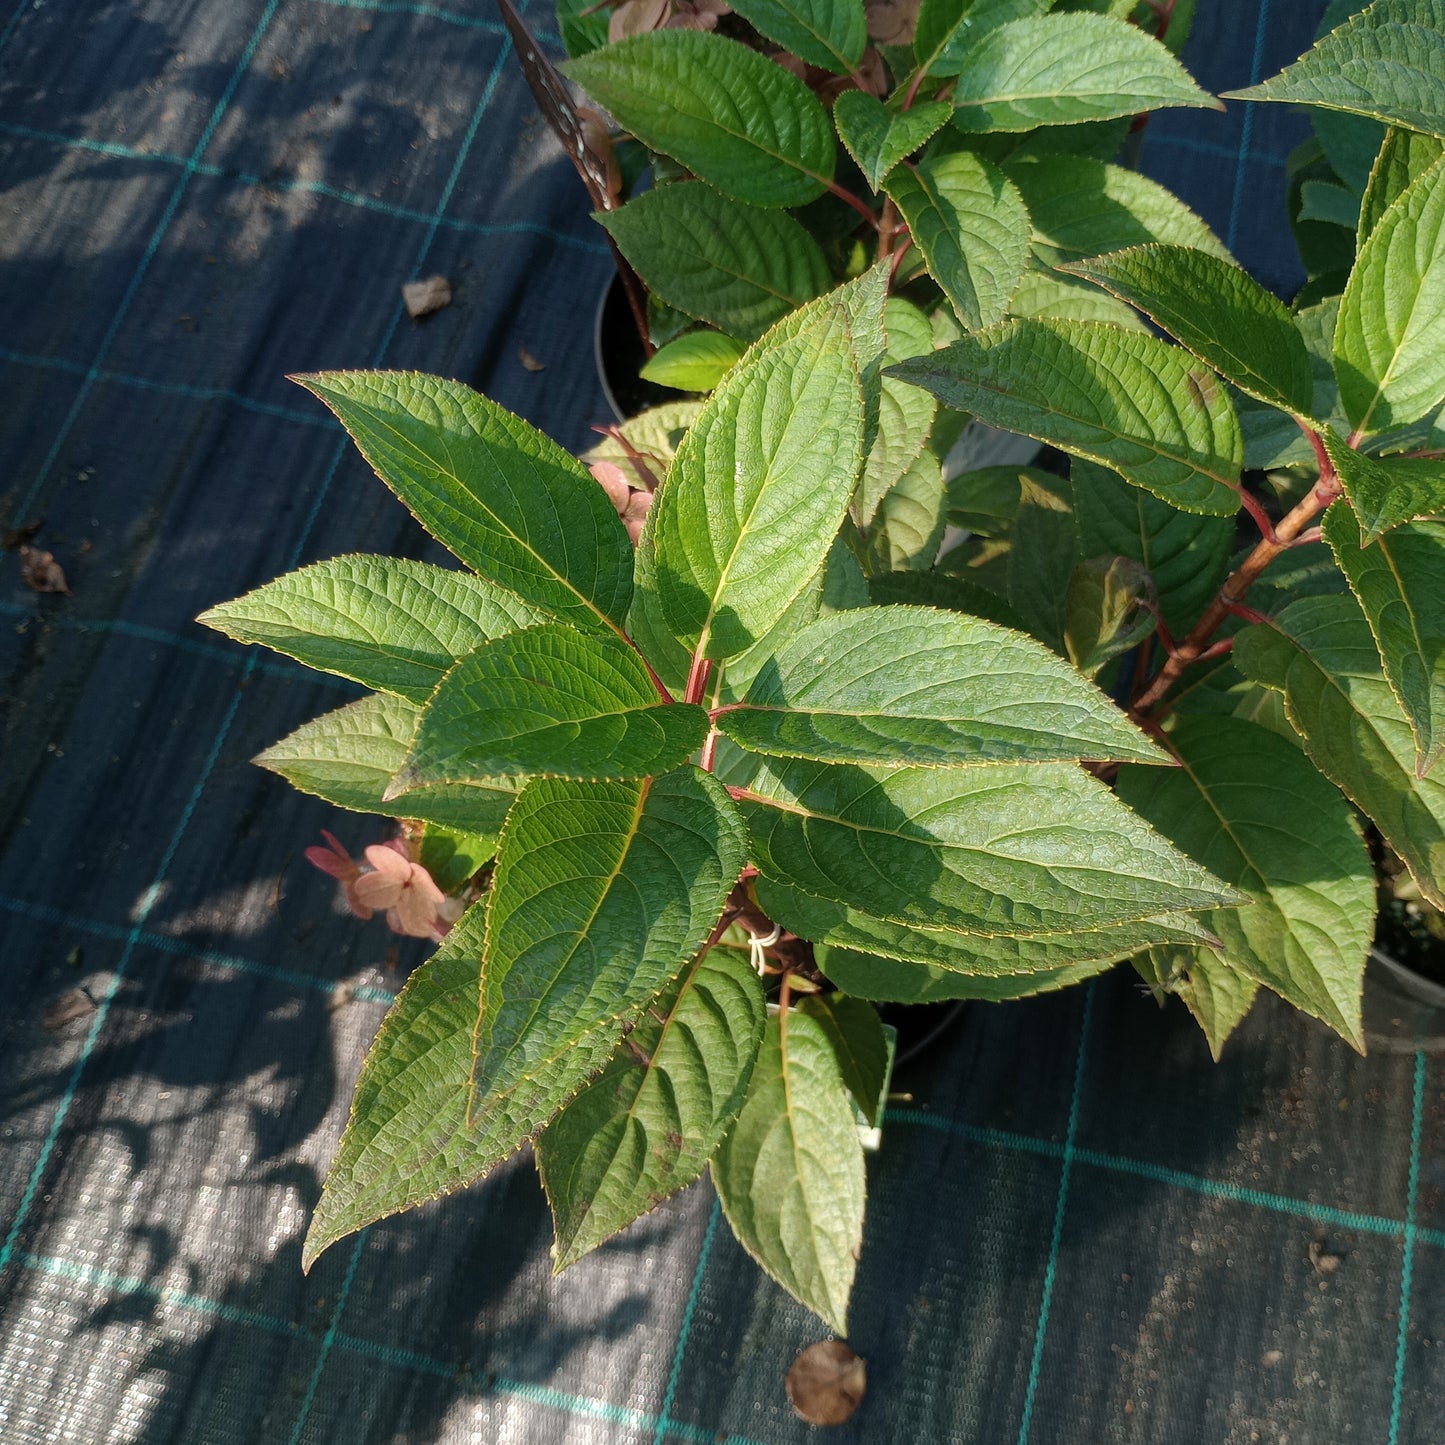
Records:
x=424, y=297
x=827, y=1383
x=41, y=572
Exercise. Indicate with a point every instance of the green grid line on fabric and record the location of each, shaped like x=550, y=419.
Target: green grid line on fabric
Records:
x=1212, y=149
x=432, y=12
x=395, y=1356
x=1046, y=1294
x=1246, y=135
x=1175, y=1178
x=289, y=186
x=138, y=632
x=1412, y=1233
x=172, y=388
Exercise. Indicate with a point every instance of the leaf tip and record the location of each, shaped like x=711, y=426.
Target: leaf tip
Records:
x=402, y=783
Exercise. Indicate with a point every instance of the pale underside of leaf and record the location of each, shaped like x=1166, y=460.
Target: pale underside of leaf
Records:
x=1122, y=398
x=1320, y=653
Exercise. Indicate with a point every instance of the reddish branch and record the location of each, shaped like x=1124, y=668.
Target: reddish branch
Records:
x=1196, y=646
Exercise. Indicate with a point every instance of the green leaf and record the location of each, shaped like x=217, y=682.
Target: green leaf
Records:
x=1062, y=69
x=1080, y=207
x=939, y=589
x=1107, y=612
x=553, y=701
x=1330, y=203
x=860, y=1045
x=1386, y=491
x=1225, y=317
x=908, y=525
x=1123, y=398
x=936, y=689
x=408, y=1140
x=581, y=25
x=986, y=501
x=350, y=756
x=1387, y=62
x=885, y=980
x=905, y=415
x=1045, y=547
x=729, y=115
x=647, y=1125
x=759, y=485
x=996, y=849
x=1405, y=156
x=1186, y=555
x=509, y=502
x=1400, y=583
x=968, y=220
x=1388, y=353
x=1217, y=995
x=877, y=137
x=1054, y=296
x=947, y=30
x=790, y=1173
x=388, y=623
x=603, y=891
x=736, y=266
x=830, y=34
x=696, y=361
x=837, y=925
x=453, y=857
x=1251, y=809
x=1320, y=653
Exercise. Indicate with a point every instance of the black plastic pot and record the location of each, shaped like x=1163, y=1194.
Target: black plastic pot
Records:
x=620, y=356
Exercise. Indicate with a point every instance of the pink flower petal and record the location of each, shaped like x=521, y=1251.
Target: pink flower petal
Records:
x=378, y=890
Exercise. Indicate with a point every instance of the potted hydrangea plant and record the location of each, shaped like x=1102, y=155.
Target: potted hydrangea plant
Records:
x=713, y=785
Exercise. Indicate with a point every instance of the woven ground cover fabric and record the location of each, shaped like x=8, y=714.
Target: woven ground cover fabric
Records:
x=1080, y=1230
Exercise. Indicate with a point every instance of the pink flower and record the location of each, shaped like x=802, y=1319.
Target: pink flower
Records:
x=406, y=891
x=335, y=860
x=631, y=505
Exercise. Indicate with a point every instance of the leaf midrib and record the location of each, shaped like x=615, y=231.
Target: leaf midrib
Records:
x=628, y=838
